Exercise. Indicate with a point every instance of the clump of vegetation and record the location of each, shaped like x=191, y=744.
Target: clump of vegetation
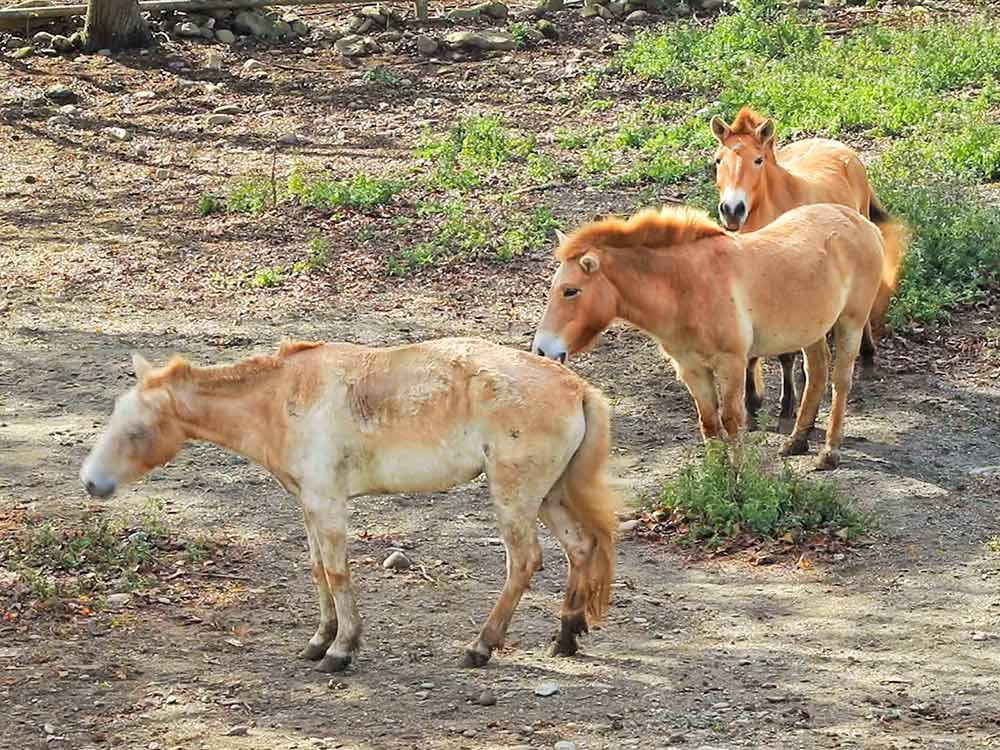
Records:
x=992, y=545
x=210, y=204
x=318, y=255
x=463, y=233
x=472, y=150
x=383, y=76
x=250, y=194
x=360, y=191
x=728, y=493
x=264, y=278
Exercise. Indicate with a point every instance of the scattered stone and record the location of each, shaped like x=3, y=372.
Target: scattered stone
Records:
x=251, y=65
x=351, y=45
x=240, y=730
x=48, y=729
x=62, y=43
x=485, y=40
x=42, y=39
x=14, y=42
x=548, y=29
x=546, y=689
x=220, y=119
x=288, y=139
x=104, y=52
x=144, y=95
x=548, y=6
x=308, y=51
x=256, y=24
x=638, y=17
x=617, y=7
x=187, y=28
x=58, y=121
x=118, y=134
x=565, y=745
x=426, y=45
x=391, y=37
x=225, y=36
x=986, y=471
x=981, y=636
x=464, y=14
x=396, y=561
x=69, y=110
x=590, y=11
x=630, y=525
x=486, y=698
x=227, y=109
x=498, y=11
x=60, y=93
x=282, y=29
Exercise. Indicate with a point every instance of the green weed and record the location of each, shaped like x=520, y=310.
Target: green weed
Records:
x=318, y=255
x=728, y=492
x=210, y=204
x=383, y=76
x=360, y=191
x=250, y=194
x=264, y=278
x=473, y=149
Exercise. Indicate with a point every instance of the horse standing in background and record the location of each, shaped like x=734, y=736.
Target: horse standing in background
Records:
x=758, y=183
x=336, y=421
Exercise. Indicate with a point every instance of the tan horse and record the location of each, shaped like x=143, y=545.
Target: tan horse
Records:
x=714, y=300
x=335, y=421
x=758, y=183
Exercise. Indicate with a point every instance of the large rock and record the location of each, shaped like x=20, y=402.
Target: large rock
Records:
x=225, y=36
x=486, y=40
x=42, y=39
x=256, y=24
x=638, y=17
x=60, y=93
x=62, y=43
x=426, y=45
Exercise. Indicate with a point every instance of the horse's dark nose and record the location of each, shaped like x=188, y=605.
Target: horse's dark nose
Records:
x=99, y=490
x=734, y=212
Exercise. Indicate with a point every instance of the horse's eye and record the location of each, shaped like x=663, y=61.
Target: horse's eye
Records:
x=569, y=292
x=718, y=161
x=759, y=160
x=136, y=434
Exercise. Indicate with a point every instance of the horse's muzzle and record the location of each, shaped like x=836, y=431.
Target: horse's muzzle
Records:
x=549, y=345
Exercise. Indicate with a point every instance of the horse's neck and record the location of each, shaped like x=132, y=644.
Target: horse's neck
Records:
x=247, y=417
x=646, y=298
x=781, y=192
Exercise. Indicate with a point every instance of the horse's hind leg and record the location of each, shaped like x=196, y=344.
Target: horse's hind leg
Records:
x=817, y=358
x=579, y=548
x=517, y=511
x=788, y=393
x=848, y=338
x=754, y=391
x=868, y=350
x=327, y=629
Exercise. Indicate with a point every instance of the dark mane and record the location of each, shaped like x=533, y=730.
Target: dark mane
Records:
x=650, y=228
x=179, y=370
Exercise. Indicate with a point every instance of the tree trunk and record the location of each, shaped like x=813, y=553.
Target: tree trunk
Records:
x=114, y=25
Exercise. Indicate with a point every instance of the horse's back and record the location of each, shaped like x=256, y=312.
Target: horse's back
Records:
x=833, y=171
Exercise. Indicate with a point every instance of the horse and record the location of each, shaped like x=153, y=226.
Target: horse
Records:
x=333, y=421
x=714, y=300
x=758, y=183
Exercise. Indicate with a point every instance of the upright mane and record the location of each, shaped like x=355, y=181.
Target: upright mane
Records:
x=179, y=370
x=650, y=228
x=747, y=121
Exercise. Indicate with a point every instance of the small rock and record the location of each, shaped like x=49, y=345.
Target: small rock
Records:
x=548, y=29
x=220, y=119
x=565, y=745
x=104, y=52
x=62, y=43
x=396, y=561
x=390, y=37
x=986, y=471
x=981, y=636
x=187, y=28
x=546, y=689
x=252, y=64
x=351, y=45
x=426, y=45
x=225, y=36
x=69, y=110
x=549, y=6
x=118, y=600
x=630, y=525
x=227, y=109
x=48, y=729
x=42, y=39
x=144, y=95
x=498, y=11
x=464, y=14
x=240, y=730
x=308, y=51
x=60, y=93
x=637, y=17
x=288, y=139
x=485, y=40
x=256, y=24
x=118, y=134
x=58, y=121
x=486, y=698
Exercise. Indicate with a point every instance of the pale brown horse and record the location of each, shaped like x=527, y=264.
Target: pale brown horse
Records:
x=336, y=421
x=758, y=183
x=714, y=300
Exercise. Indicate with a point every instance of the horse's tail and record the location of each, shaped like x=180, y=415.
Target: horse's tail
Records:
x=894, y=238
x=591, y=503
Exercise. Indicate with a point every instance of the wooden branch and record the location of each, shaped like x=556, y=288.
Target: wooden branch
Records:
x=58, y=11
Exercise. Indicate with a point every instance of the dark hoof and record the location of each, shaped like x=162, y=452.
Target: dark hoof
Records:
x=313, y=653
x=474, y=659
x=331, y=663
x=868, y=371
x=827, y=460
x=566, y=643
x=795, y=446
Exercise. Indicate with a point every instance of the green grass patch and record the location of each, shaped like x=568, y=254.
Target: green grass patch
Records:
x=728, y=493
x=474, y=149
x=320, y=191
x=250, y=194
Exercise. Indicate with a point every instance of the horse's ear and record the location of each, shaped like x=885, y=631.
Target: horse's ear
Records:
x=140, y=365
x=765, y=132
x=720, y=130
x=589, y=263
x=561, y=237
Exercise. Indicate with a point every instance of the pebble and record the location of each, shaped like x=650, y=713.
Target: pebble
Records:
x=227, y=109
x=396, y=561
x=252, y=64
x=118, y=600
x=288, y=139
x=225, y=36
x=58, y=121
x=42, y=39
x=62, y=43
x=486, y=40
x=546, y=689
x=565, y=745
x=118, y=134
x=60, y=93
x=486, y=698
x=187, y=28
x=638, y=17
x=426, y=45
x=144, y=94
x=220, y=119
x=629, y=525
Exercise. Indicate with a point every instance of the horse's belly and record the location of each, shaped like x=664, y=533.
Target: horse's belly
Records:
x=795, y=334
x=428, y=465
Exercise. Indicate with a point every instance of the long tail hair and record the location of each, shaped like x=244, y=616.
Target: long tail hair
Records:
x=895, y=237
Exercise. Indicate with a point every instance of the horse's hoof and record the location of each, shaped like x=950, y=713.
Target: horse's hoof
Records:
x=332, y=663
x=564, y=646
x=795, y=446
x=827, y=460
x=313, y=653
x=474, y=658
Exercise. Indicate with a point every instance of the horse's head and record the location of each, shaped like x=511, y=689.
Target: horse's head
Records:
x=581, y=305
x=143, y=433
x=745, y=147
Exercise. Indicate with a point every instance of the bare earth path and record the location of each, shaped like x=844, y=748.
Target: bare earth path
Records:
x=897, y=645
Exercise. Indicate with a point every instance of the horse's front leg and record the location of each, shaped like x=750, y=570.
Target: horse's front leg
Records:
x=729, y=372
x=701, y=385
x=327, y=629
x=329, y=514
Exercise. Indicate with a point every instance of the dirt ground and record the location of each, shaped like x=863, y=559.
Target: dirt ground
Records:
x=893, y=644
